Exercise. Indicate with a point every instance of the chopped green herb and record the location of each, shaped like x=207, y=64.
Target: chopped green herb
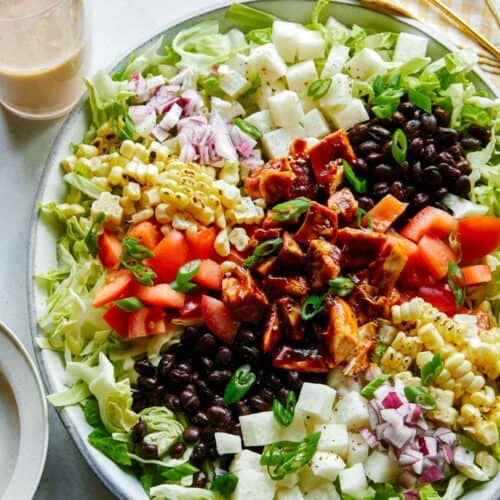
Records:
x=371, y=387
x=141, y=273
x=359, y=185
x=284, y=414
x=313, y=305
x=259, y=36
x=430, y=371
x=290, y=210
x=186, y=273
x=262, y=251
x=378, y=352
x=135, y=250
x=399, y=146
x=211, y=86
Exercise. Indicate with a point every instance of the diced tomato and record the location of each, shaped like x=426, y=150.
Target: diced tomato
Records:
x=476, y=274
x=209, y=275
x=440, y=296
x=201, y=244
x=147, y=233
x=191, y=307
x=137, y=323
x=436, y=255
x=169, y=255
x=219, y=319
x=385, y=212
x=478, y=236
x=117, y=319
x=115, y=285
x=429, y=221
x=159, y=295
x=110, y=249
x=155, y=321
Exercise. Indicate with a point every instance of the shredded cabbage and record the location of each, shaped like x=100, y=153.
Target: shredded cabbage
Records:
x=76, y=394
x=162, y=426
x=177, y=492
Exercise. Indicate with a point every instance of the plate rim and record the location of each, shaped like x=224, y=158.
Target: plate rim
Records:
x=18, y=345
x=64, y=416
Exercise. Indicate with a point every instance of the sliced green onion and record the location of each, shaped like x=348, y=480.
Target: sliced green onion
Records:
x=359, y=185
x=456, y=281
x=420, y=396
x=259, y=36
x=141, y=273
x=135, y=250
x=319, y=88
x=341, y=286
x=284, y=457
x=420, y=100
x=263, y=250
x=128, y=129
x=211, y=86
x=312, y=306
x=284, y=414
x=239, y=384
x=91, y=236
x=185, y=274
x=369, y=389
x=129, y=304
x=430, y=370
x=399, y=146
x=248, y=128
x=290, y=210
x=224, y=485
x=378, y=352
x=360, y=214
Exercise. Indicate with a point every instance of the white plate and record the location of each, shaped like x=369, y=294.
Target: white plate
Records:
x=23, y=420
x=43, y=243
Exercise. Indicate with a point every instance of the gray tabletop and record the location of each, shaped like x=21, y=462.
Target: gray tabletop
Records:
x=117, y=26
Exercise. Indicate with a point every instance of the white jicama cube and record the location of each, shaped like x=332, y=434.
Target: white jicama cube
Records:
x=227, y=443
x=333, y=25
x=284, y=38
x=310, y=45
x=339, y=93
x=342, y=383
x=232, y=82
x=352, y=410
x=262, y=120
x=289, y=494
x=364, y=64
x=326, y=491
x=276, y=144
x=300, y=76
x=254, y=485
x=262, y=95
x=236, y=38
x=296, y=431
x=286, y=110
x=357, y=451
x=228, y=110
x=353, y=480
x=308, y=480
x=327, y=465
x=381, y=468
x=315, y=124
x=336, y=59
x=317, y=400
x=289, y=481
x=334, y=438
x=348, y=116
x=239, y=63
x=266, y=60
x=409, y=46
x=258, y=429
x=246, y=460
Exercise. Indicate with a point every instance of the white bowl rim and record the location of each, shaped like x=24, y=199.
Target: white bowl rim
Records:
x=66, y=419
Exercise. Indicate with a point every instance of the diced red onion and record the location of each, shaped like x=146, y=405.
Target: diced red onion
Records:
x=171, y=118
x=392, y=400
x=409, y=457
x=418, y=466
x=139, y=113
x=185, y=79
x=379, y=430
x=370, y=439
x=187, y=154
x=192, y=102
x=446, y=436
x=160, y=134
x=223, y=144
x=241, y=141
x=463, y=457
x=399, y=435
x=414, y=413
x=392, y=417
x=411, y=495
x=139, y=86
x=428, y=445
x=373, y=371
x=382, y=391
x=431, y=474
x=447, y=453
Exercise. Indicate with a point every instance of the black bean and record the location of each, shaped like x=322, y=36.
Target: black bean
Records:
x=471, y=144
x=421, y=199
x=144, y=367
x=147, y=383
x=383, y=172
x=147, y=451
x=449, y=172
x=189, y=401
x=139, y=403
x=416, y=172
x=429, y=123
x=212, y=452
x=200, y=419
x=431, y=178
x=407, y=108
x=241, y=408
x=224, y=356
x=399, y=118
x=374, y=158
x=172, y=402
x=358, y=133
x=408, y=193
x=447, y=136
x=206, y=364
x=138, y=432
x=203, y=390
x=292, y=379
x=245, y=337
x=463, y=166
x=199, y=480
x=461, y=186
x=218, y=414
x=177, y=450
x=360, y=167
x=379, y=133
x=456, y=150
x=282, y=395
x=198, y=455
x=440, y=193
x=249, y=354
x=157, y=395
x=219, y=376
x=481, y=133
x=218, y=400
x=368, y=147
x=418, y=114
x=207, y=433
x=412, y=128
x=429, y=153
x=206, y=344
x=191, y=434
x=416, y=146
x=387, y=150
x=179, y=376
x=366, y=203
x=380, y=189
x=186, y=365
x=397, y=190
x=258, y=403
x=445, y=157
x=442, y=116
x=404, y=171
x=236, y=429
x=273, y=381
x=167, y=362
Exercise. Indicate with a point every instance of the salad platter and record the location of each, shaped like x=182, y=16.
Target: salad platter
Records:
x=265, y=263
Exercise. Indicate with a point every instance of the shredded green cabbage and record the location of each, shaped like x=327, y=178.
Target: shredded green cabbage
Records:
x=76, y=394
x=177, y=492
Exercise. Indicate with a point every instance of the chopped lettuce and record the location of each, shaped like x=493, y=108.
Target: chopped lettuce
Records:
x=427, y=492
x=115, y=450
x=151, y=58
x=177, y=492
x=248, y=18
x=76, y=394
x=163, y=429
x=461, y=207
x=86, y=186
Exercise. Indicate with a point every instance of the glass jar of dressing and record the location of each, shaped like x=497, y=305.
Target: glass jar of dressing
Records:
x=44, y=52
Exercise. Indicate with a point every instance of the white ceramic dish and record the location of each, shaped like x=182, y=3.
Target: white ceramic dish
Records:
x=23, y=420
x=43, y=248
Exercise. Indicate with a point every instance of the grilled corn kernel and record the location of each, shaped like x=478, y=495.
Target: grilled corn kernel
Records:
x=409, y=346
x=386, y=333
x=151, y=197
x=99, y=168
x=430, y=337
x=443, y=377
x=141, y=153
x=68, y=164
x=487, y=433
x=151, y=174
x=444, y=398
x=86, y=151
x=181, y=221
x=465, y=380
x=476, y=385
x=127, y=149
x=227, y=266
x=488, y=463
x=454, y=361
x=109, y=204
x=164, y=213
x=141, y=216
x=161, y=151
x=238, y=237
x=221, y=243
x=102, y=182
x=423, y=357
x=463, y=369
x=128, y=207
x=132, y=191
x=469, y=414
x=230, y=173
x=446, y=416
x=115, y=177
x=206, y=216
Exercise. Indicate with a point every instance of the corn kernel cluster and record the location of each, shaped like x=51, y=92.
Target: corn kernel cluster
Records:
x=140, y=182
x=463, y=396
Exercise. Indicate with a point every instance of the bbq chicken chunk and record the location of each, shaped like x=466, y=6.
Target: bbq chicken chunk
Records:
x=367, y=341
x=320, y=222
x=323, y=263
x=359, y=248
x=290, y=318
x=272, y=335
x=277, y=286
x=302, y=360
x=386, y=270
x=290, y=256
x=344, y=203
x=243, y=296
